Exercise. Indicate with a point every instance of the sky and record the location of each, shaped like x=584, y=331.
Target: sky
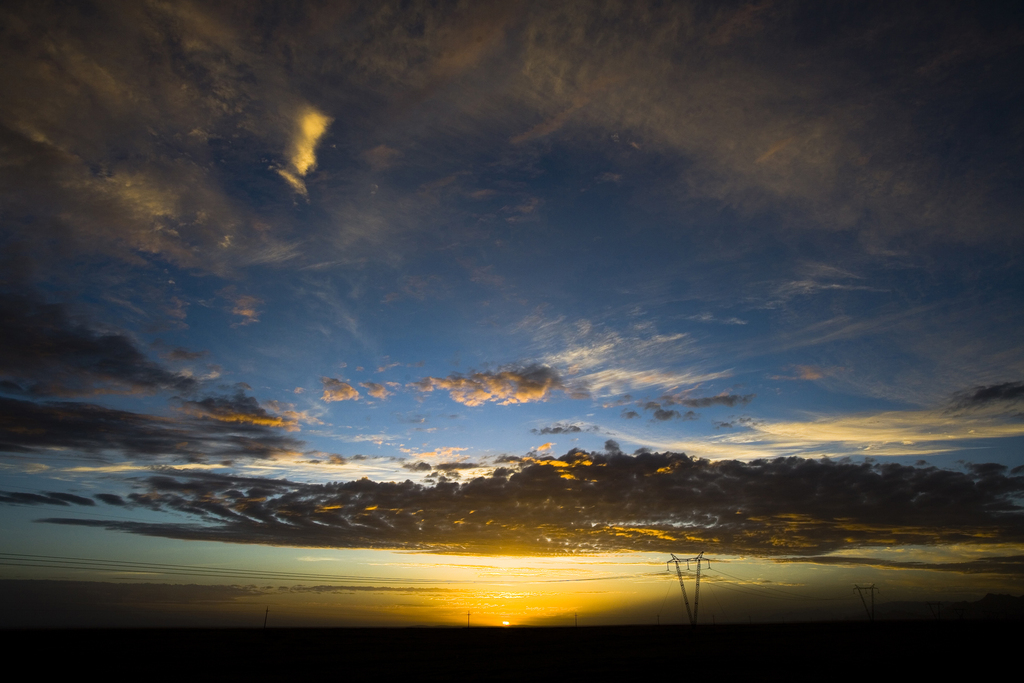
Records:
x=385, y=313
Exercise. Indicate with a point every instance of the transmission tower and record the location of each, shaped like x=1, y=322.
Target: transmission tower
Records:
x=696, y=591
x=860, y=591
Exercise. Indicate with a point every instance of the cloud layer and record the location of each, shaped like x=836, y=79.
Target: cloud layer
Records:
x=602, y=502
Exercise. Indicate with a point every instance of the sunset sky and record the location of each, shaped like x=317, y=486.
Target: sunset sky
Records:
x=382, y=313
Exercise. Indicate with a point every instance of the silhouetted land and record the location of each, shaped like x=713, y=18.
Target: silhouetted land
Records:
x=768, y=651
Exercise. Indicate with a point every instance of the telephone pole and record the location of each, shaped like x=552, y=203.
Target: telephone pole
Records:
x=860, y=591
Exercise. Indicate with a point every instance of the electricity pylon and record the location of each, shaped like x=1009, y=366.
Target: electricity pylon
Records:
x=696, y=591
x=860, y=591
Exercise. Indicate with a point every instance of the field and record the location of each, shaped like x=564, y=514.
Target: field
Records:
x=436, y=654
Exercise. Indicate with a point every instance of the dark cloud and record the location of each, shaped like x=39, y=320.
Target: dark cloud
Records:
x=729, y=400
x=662, y=415
x=630, y=414
x=238, y=408
x=564, y=428
x=596, y=502
x=1008, y=392
x=44, y=353
x=109, y=498
x=417, y=466
x=44, y=498
x=83, y=429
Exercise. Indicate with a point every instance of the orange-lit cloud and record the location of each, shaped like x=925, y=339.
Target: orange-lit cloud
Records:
x=310, y=126
x=378, y=391
x=525, y=385
x=238, y=408
x=336, y=390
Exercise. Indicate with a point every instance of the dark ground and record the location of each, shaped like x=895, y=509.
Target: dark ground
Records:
x=772, y=652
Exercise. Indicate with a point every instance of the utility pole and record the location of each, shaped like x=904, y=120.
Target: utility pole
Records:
x=265, y=615
x=936, y=609
x=576, y=619
x=860, y=591
x=467, y=619
x=696, y=591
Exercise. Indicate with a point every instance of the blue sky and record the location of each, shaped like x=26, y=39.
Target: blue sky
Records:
x=632, y=279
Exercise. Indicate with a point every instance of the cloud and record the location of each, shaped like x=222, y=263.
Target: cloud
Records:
x=242, y=305
x=73, y=111
x=709, y=318
x=662, y=415
x=110, y=498
x=180, y=354
x=381, y=157
x=310, y=126
x=237, y=408
x=45, y=498
x=1008, y=392
x=378, y=391
x=890, y=433
x=601, y=502
x=608, y=362
x=336, y=390
x=452, y=466
x=44, y=353
x=565, y=428
x=508, y=386
x=730, y=400
x=83, y=430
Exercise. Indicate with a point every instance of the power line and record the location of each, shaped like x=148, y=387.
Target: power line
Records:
x=162, y=568
x=792, y=595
